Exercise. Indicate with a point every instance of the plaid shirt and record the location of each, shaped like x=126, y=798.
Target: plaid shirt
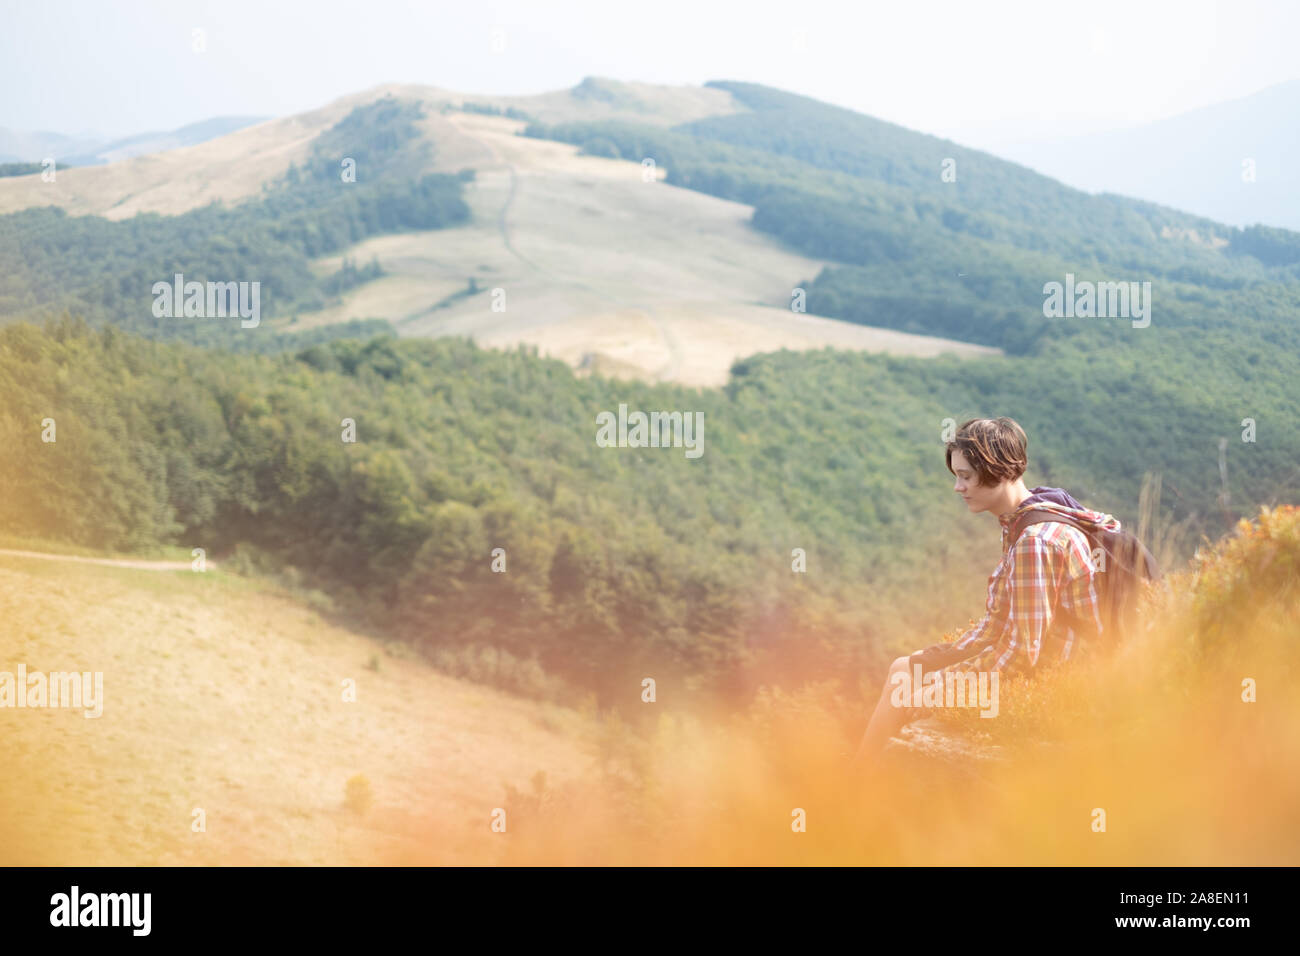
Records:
x=1042, y=600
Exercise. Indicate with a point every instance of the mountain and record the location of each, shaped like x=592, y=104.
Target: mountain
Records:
x=550, y=224
x=1193, y=161
x=17, y=146
x=34, y=146
x=658, y=261
x=455, y=291
x=157, y=142
x=236, y=165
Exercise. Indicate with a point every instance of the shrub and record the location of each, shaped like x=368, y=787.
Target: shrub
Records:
x=357, y=794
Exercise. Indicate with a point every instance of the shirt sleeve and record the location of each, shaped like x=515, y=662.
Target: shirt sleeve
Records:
x=976, y=637
x=986, y=632
x=1010, y=637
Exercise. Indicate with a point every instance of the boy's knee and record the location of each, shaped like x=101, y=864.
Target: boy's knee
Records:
x=901, y=665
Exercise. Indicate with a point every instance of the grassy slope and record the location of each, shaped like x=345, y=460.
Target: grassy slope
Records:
x=235, y=167
x=669, y=283
x=224, y=694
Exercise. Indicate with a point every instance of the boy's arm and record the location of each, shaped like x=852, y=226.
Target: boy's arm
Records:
x=969, y=644
x=1011, y=641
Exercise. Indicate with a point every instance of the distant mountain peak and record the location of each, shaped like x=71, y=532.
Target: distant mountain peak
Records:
x=1229, y=161
x=18, y=146
x=599, y=88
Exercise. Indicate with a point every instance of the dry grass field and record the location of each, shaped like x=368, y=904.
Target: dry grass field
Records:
x=224, y=695
x=599, y=268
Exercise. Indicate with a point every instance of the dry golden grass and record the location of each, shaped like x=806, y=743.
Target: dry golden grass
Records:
x=229, y=168
x=225, y=696
x=1157, y=736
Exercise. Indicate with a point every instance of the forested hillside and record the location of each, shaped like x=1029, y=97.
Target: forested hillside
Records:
x=623, y=562
x=104, y=270
x=618, y=560
x=965, y=258
x=967, y=255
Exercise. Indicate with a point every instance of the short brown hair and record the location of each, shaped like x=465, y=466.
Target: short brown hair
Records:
x=995, y=447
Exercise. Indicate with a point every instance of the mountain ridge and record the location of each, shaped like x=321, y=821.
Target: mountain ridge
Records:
x=1193, y=160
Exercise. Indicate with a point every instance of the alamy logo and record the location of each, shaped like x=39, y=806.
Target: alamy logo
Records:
x=57, y=689
x=656, y=430
x=1100, y=300
x=945, y=688
x=102, y=909
x=208, y=300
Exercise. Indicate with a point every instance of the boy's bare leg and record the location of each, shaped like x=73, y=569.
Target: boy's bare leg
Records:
x=886, y=720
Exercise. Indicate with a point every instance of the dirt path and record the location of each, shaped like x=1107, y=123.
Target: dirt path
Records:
x=137, y=564
x=673, y=366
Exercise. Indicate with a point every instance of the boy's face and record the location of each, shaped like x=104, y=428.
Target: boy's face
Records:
x=978, y=497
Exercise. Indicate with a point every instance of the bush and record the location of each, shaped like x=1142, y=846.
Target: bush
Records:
x=498, y=668
x=357, y=794
x=601, y=146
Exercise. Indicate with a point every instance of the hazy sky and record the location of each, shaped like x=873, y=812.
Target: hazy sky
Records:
x=984, y=73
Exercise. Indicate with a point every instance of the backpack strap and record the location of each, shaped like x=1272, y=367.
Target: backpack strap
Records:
x=1040, y=517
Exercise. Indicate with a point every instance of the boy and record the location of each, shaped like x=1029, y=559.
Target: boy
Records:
x=1042, y=597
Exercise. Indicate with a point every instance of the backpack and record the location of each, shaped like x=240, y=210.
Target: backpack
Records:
x=1125, y=565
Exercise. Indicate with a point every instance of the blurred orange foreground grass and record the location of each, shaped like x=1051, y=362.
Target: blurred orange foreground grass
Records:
x=1156, y=742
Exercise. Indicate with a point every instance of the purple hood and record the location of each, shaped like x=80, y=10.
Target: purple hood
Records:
x=1062, y=502
x=1057, y=495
